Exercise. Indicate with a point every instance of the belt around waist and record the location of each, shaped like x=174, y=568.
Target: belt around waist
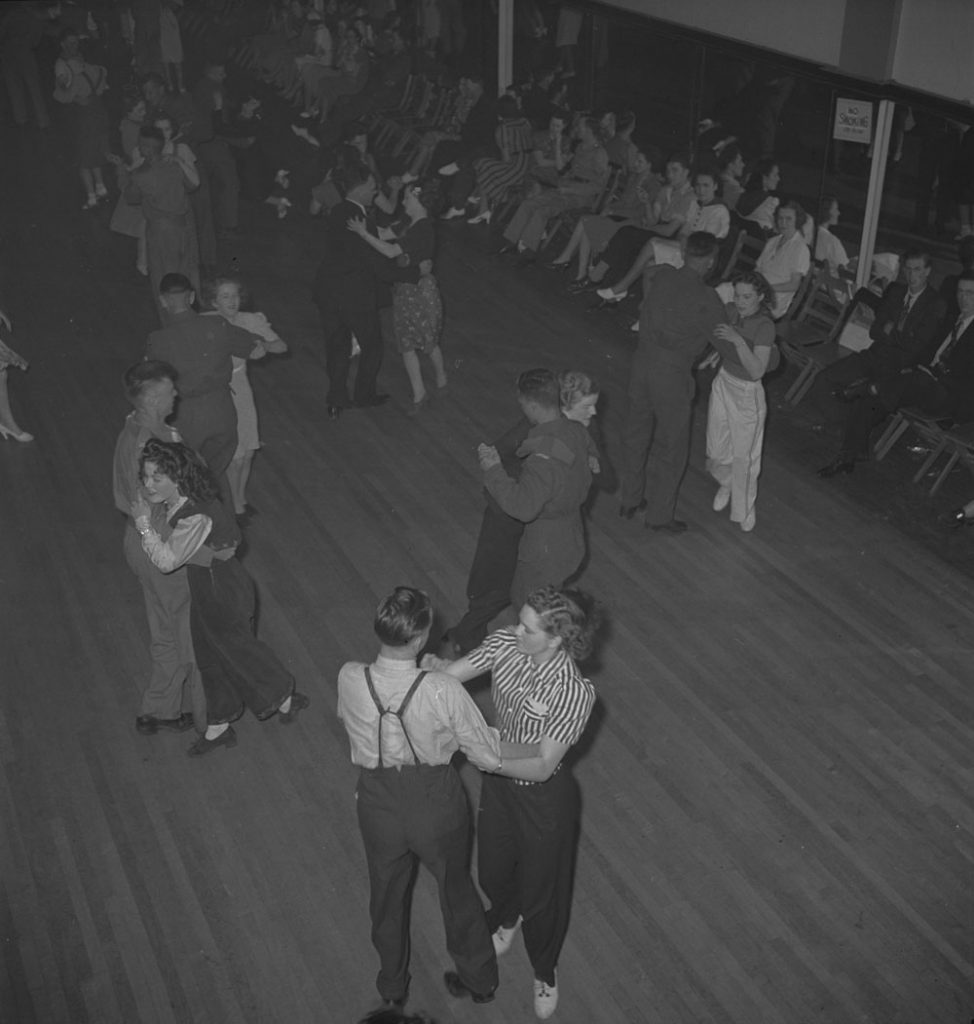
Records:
x=398, y=768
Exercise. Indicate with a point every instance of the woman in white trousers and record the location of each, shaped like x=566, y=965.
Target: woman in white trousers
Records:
x=735, y=419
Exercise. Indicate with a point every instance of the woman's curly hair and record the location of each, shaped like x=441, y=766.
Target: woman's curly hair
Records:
x=570, y=614
x=574, y=386
x=759, y=283
x=183, y=466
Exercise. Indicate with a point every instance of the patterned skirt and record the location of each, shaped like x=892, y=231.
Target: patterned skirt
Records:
x=417, y=315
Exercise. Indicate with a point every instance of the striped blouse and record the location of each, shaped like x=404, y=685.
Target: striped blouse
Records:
x=533, y=701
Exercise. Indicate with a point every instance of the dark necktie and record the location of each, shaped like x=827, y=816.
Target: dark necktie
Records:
x=941, y=360
x=904, y=313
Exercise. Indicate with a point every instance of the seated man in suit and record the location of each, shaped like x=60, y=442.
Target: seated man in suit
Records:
x=908, y=316
x=943, y=385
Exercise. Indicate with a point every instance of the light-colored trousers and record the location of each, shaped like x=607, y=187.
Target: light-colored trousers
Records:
x=735, y=436
x=174, y=685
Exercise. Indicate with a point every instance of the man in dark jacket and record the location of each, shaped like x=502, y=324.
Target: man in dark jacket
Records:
x=907, y=319
x=940, y=385
x=351, y=285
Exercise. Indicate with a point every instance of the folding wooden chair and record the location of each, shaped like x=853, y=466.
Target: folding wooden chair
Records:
x=809, y=340
x=930, y=428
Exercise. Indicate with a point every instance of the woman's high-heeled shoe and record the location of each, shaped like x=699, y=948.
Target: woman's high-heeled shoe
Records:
x=15, y=435
x=577, y=287
x=481, y=218
x=558, y=268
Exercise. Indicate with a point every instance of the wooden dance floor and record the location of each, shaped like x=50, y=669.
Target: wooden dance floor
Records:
x=777, y=815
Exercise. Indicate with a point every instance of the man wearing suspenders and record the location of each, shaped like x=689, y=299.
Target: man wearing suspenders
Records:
x=404, y=726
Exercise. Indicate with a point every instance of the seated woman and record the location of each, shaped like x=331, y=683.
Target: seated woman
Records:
x=579, y=187
x=828, y=248
x=182, y=521
x=312, y=67
x=730, y=168
x=552, y=151
x=440, y=147
x=616, y=136
x=348, y=77
x=708, y=214
x=674, y=204
x=594, y=231
x=495, y=178
x=785, y=259
x=274, y=53
x=759, y=202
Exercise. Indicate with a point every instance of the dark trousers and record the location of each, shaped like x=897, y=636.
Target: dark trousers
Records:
x=419, y=815
x=339, y=322
x=216, y=163
x=238, y=670
x=916, y=389
x=526, y=837
x=621, y=252
x=491, y=576
x=656, y=437
x=208, y=424
x=20, y=75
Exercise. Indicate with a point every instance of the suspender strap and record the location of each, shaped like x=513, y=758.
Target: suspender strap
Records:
x=388, y=711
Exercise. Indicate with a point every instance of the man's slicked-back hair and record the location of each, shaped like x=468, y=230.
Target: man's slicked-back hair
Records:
x=402, y=616
x=149, y=371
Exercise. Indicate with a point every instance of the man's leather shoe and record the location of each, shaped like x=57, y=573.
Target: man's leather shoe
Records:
x=628, y=511
x=334, y=411
x=227, y=738
x=149, y=725
x=838, y=465
x=458, y=990
x=857, y=389
x=673, y=526
x=370, y=403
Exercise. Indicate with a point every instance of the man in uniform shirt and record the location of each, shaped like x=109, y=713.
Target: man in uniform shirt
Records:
x=548, y=492
x=151, y=388
x=404, y=726
x=200, y=347
x=676, y=324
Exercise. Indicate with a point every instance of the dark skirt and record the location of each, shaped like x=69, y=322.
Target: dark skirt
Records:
x=238, y=670
x=417, y=315
x=91, y=129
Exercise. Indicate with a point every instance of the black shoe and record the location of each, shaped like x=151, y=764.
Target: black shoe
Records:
x=298, y=703
x=458, y=990
x=673, y=526
x=558, y=268
x=227, y=738
x=857, y=389
x=149, y=725
x=628, y=511
x=585, y=285
x=371, y=403
x=506, y=250
x=334, y=411
x=840, y=464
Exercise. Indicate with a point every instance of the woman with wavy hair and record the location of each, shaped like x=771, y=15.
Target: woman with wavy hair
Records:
x=182, y=521
x=529, y=808
x=735, y=418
